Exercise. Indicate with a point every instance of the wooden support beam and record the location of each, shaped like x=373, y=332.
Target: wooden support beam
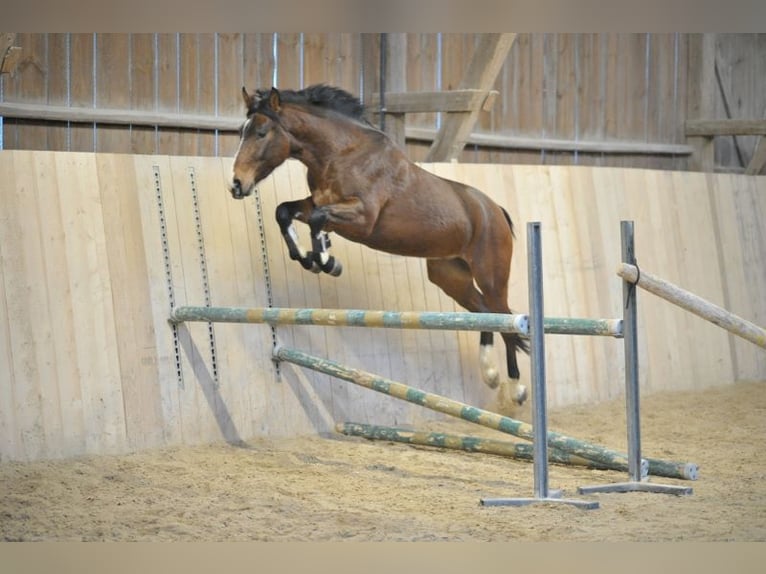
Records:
x=560, y=144
x=44, y=112
x=723, y=78
x=710, y=128
x=482, y=71
x=700, y=97
x=424, y=102
x=395, y=81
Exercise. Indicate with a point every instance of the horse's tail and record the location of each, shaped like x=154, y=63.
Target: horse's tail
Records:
x=519, y=342
x=510, y=222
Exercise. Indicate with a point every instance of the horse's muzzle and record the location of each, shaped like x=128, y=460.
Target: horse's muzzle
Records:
x=237, y=191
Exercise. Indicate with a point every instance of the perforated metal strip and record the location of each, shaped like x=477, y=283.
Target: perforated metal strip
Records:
x=203, y=270
x=168, y=270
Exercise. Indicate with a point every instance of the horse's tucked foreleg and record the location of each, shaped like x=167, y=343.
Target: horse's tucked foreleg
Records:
x=286, y=213
x=320, y=243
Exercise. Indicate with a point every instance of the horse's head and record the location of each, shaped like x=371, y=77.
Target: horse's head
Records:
x=264, y=143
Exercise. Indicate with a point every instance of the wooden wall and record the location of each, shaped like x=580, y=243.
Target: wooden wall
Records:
x=594, y=87
x=90, y=363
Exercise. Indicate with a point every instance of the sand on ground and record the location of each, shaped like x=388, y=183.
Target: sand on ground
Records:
x=351, y=489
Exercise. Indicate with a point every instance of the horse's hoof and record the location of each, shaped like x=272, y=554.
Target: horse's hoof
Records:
x=521, y=395
x=333, y=267
x=491, y=377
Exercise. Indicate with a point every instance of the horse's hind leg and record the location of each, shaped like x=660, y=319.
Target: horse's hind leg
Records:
x=493, y=283
x=455, y=279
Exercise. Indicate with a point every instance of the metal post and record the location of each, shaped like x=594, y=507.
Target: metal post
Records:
x=638, y=468
x=537, y=359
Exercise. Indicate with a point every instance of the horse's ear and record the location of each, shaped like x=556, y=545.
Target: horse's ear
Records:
x=275, y=100
x=247, y=98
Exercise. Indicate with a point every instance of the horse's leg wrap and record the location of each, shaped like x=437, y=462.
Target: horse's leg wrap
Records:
x=285, y=216
x=320, y=244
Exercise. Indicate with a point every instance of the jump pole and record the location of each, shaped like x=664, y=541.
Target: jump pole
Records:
x=630, y=341
x=452, y=321
x=693, y=303
x=613, y=459
x=506, y=448
x=467, y=443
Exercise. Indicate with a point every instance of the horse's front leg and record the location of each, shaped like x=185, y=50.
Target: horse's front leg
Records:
x=320, y=243
x=287, y=212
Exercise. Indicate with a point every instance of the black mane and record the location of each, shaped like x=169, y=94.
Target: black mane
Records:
x=324, y=97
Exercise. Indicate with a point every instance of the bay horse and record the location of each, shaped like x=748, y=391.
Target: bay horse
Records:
x=365, y=189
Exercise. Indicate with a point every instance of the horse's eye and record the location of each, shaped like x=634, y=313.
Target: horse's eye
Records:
x=261, y=132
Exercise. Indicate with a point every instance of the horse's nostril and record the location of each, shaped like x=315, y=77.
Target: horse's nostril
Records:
x=236, y=184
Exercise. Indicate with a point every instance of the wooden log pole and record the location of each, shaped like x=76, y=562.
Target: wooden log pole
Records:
x=694, y=304
x=609, y=458
x=506, y=448
x=458, y=321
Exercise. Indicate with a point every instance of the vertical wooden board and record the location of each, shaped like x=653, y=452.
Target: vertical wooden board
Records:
x=663, y=88
x=702, y=276
x=657, y=321
x=290, y=286
x=258, y=60
x=207, y=66
x=601, y=289
x=288, y=64
x=62, y=352
x=10, y=443
x=26, y=436
x=592, y=86
x=81, y=64
x=151, y=172
x=345, y=55
x=143, y=90
x=56, y=88
x=750, y=197
x=224, y=266
x=198, y=393
x=314, y=64
x=92, y=297
x=39, y=384
x=229, y=80
x=168, y=46
x=28, y=84
x=577, y=277
x=250, y=345
x=132, y=302
x=606, y=210
x=113, y=87
x=730, y=257
x=422, y=60
x=267, y=397
x=565, y=95
x=189, y=89
x=563, y=387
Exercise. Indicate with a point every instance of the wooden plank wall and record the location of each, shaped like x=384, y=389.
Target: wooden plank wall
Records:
x=569, y=86
x=90, y=362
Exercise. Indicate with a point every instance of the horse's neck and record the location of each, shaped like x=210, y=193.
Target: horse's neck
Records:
x=318, y=141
